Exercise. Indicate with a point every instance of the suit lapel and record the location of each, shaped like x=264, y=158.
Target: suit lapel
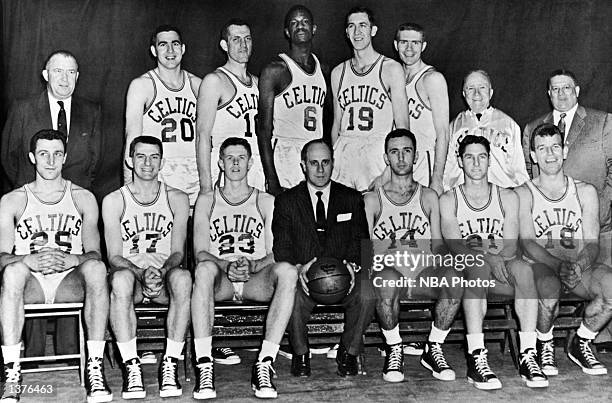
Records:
x=44, y=110
x=332, y=206
x=305, y=204
x=576, y=127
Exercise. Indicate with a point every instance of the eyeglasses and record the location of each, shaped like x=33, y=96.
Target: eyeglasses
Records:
x=567, y=89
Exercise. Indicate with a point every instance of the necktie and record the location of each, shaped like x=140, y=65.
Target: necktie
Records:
x=561, y=124
x=62, y=126
x=478, y=116
x=320, y=213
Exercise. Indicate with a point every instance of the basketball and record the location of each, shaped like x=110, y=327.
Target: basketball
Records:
x=328, y=280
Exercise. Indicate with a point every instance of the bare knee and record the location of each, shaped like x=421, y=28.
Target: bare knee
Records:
x=205, y=274
x=94, y=273
x=522, y=273
x=285, y=273
x=179, y=282
x=14, y=276
x=122, y=283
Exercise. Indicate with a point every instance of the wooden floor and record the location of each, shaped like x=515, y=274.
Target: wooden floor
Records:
x=233, y=382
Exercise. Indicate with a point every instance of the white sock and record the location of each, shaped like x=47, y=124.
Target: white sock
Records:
x=436, y=335
x=475, y=341
x=203, y=347
x=585, y=332
x=11, y=353
x=548, y=336
x=392, y=336
x=174, y=348
x=268, y=349
x=527, y=340
x=128, y=349
x=95, y=348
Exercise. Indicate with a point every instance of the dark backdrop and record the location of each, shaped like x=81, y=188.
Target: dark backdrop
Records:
x=517, y=42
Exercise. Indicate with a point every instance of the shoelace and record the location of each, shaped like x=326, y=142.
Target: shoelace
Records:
x=226, y=350
x=482, y=363
x=585, y=349
x=529, y=359
x=206, y=375
x=168, y=372
x=263, y=374
x=548, y=353
x=94, y=372
x=12, y=374
x=395, y=357
x=134, y=375
x=438, y=355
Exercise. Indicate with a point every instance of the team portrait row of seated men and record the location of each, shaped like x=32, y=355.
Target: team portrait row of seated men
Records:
x=222, y=147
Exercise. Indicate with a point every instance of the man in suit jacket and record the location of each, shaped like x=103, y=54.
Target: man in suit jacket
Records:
x=320, y=218
x=80, y=120
x=588, y=134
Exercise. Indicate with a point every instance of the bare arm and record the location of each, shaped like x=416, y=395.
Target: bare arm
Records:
x=269, y=87
x=8, y=213
x=335, y=84
x=510, y=202
x=266, y=203
x=179, y=203
x=432, y=209
x=437, y=92
x=89, y=232
x=393, y=78
x=208, y=99
x=201, y=232
x=372, y=209
x=589, y=201
x=139, y=94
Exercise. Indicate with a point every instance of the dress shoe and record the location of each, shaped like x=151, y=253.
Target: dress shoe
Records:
x=347, y=363
x=300, y=365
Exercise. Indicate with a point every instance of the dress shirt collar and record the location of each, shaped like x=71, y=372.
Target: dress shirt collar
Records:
x=569, y=118
x=312, y=191
x=55, y=108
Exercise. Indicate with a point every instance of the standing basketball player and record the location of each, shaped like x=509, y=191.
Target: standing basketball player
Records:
x=369, y=100
x=162, y=103
x=233, y=244
x=560, y=233
x=485, y=217
x=293, y=92
x=427, y=105
x=145, y=226
x=50, y=252
x=403, y=215
x=227, y=106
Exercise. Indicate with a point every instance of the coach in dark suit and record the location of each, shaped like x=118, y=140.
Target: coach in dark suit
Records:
x=320, y=218
x=55, y=108
x=80, y=120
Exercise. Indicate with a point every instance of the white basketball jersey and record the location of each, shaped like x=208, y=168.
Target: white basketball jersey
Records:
x=236, y=117
x=298, y=110
x=402, y=226
x=421, y=117
x=558, y=223
x=236, y=229
x=49, y=225
x=171, y=117
x=146, y=228
x=365, y=103
x=482, y=228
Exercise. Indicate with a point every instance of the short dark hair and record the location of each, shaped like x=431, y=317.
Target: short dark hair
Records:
x=165, y=28
x=397, y=133
x=224, y=34
x=562, y=72
x=296, y=8
x=471, y=139
x=235, y=141
x=410, y=26
x=47, y=134
x=146, y=140
x=360, y=9
x=61, y=52
x=479, y=71
x=304, y=153
x=545, y=129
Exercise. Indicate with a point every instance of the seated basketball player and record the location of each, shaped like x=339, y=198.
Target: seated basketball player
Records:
x=559, y=233
x=485, y=217
x=233, y=249
x=404, y=216
x=145, y=226
x=50, y=252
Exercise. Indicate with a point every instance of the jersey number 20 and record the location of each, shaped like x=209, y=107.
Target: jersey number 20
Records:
x=168, y=134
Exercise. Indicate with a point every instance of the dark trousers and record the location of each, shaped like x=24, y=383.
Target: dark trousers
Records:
x=359, y=308
x=66, y=336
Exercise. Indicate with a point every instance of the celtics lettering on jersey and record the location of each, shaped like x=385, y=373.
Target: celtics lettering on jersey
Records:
x=49, y=225
x=482, y=228
x=238, y=115
x=236, y=229
x=146, y=227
